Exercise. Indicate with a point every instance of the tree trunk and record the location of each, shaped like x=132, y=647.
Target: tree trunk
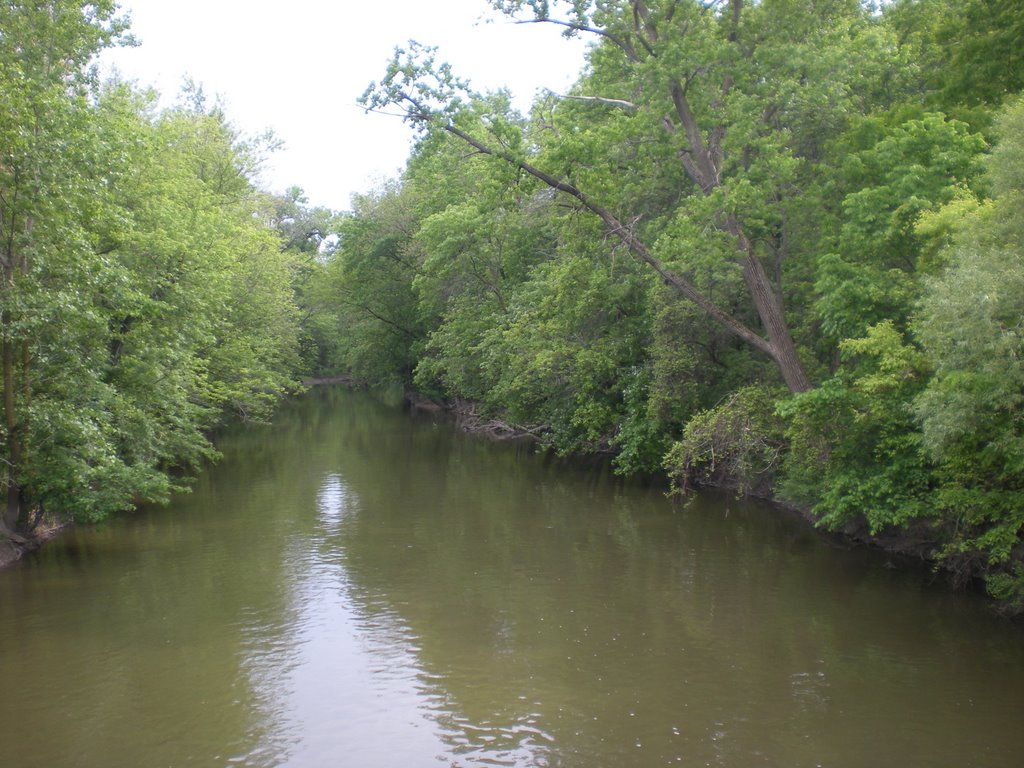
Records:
x=779, y=343
x=12, y=511
x=768, y=304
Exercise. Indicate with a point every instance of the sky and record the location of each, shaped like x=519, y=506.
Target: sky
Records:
x=298, y=67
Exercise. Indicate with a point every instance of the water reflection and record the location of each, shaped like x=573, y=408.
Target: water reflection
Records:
x=337, y=683
x=356, y=587
x=560, y=619
x=332, y=504
x=341, y=679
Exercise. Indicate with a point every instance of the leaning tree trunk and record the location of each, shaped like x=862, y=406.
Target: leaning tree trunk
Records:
x=12, y=510
x=768, y=304
x=778, y=345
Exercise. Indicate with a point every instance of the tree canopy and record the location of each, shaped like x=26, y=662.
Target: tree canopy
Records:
x=768, y=244
x=735, y=249
x=144, y=295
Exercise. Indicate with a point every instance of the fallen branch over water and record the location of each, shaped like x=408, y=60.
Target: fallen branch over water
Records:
x=469, y=419
x=14, y=546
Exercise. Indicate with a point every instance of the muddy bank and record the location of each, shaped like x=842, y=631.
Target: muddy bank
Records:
x=13, y=547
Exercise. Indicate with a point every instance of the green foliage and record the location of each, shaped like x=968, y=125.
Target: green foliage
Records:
x=983, y=40
x=891, y=177
x=855, y=453
x=414, y=75
x=142, y=298
x=964, y=54
x=367, y=290
x=738, y=443
x=642, y=437
x=308, y=237
x=971, y=325
x=476, y=257
x=915, y=167
x=572, y=334
x=732, y=195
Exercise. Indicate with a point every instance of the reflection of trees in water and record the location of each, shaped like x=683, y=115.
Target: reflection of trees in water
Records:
x=161, y=614
x=590, y=623
x=356, y=580
x=537, y=597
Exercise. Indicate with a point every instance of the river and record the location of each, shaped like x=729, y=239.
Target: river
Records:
x=357, y=586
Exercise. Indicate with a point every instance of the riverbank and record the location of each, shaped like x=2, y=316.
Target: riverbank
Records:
x=13, y=547
x=907, y=548
x=910, y=548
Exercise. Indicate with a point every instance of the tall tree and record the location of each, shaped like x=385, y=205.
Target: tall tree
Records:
x=971, y=324
x=734, y=84
x=45, y=81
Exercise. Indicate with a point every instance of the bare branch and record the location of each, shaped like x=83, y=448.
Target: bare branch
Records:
x=621, y=103
x=370, y=111
x=624, y=45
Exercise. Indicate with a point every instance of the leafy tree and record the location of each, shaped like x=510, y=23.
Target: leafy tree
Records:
x=889, y=177
x=855, y=456
x=722, y=82
x=970, y=324
x=142, y=297
x=573, y=335
x=368, y=289
x=986, y=63
x=302, y=229
x=181, y=314
x=309, y=236
x=484, y=229
x=45, y=82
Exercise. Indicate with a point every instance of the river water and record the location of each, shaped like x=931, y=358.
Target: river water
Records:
x=357, y=586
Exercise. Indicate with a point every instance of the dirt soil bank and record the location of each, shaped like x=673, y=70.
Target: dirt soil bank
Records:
x=13, y=549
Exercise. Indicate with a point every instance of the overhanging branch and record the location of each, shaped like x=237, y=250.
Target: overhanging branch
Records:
x=620, y=103
x=625, y=45
x=629, y=238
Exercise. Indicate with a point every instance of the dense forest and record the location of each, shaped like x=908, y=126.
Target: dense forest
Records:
x=773, y=245
x=147, y=285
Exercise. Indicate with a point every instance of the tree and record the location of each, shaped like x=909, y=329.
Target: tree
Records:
x=142, y=295
x=302, y=229
x=309, y=238
x=981, y=44
x=367, y=289
x=888, y=177
x=731, y=84
x=45, y=50
x=971, y=322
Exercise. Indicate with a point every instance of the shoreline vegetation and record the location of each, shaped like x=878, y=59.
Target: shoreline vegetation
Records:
x=913, y=547
x=767, y=246
x=910, y=548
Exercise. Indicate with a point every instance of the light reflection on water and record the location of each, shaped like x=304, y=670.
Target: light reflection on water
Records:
x=354, y=587
x=341, y=680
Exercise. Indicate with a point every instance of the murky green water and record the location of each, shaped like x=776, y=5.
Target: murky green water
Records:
x=356, y=587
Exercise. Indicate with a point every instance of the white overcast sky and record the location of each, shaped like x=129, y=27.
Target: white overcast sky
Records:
x=298, y=67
